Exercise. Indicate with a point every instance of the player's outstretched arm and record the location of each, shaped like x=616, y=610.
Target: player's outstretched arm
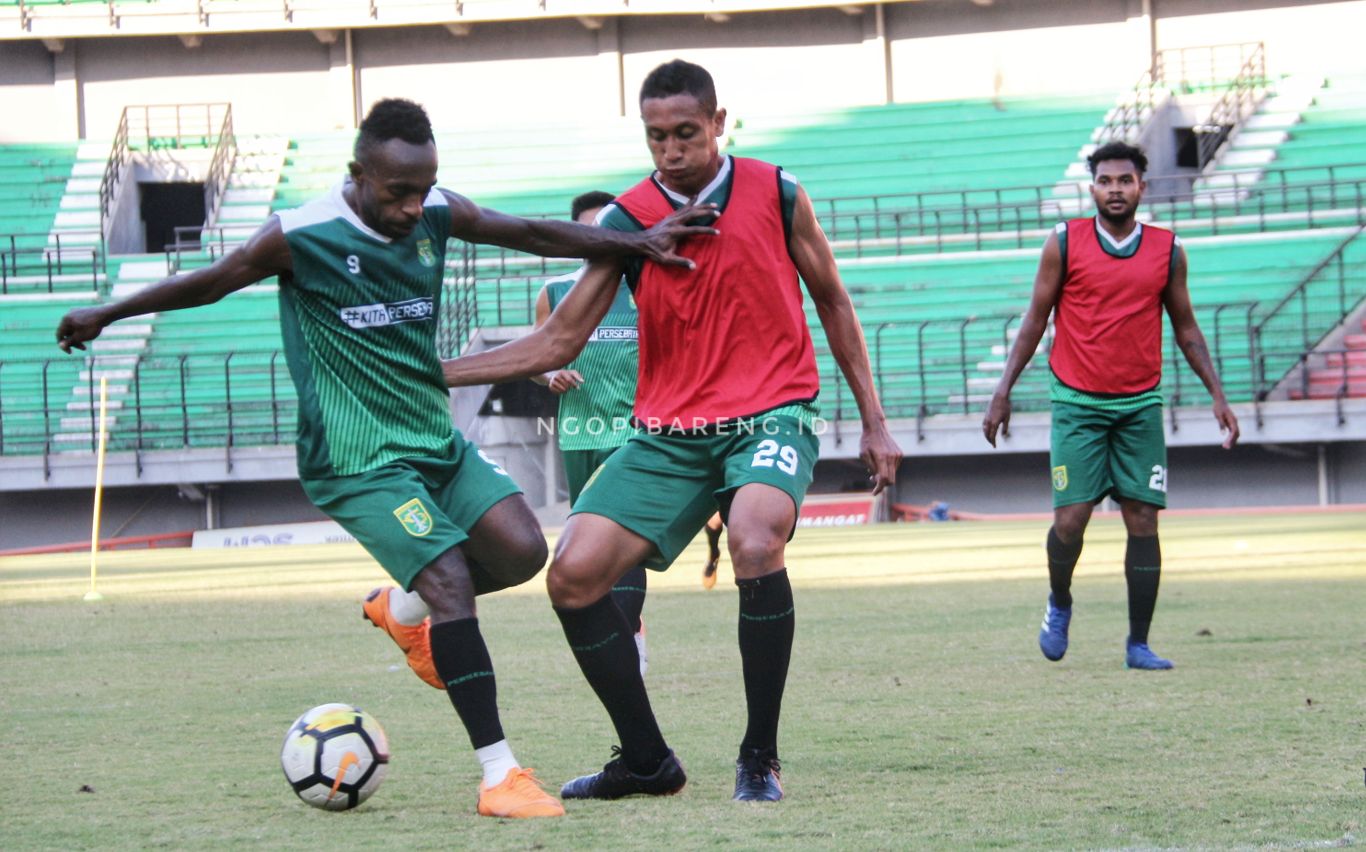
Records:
x=1047, y=286
x=1188, y=336
x=265, y=254
x=816, y=264
x=559, y=381
x=551, y=238
x=553, y=344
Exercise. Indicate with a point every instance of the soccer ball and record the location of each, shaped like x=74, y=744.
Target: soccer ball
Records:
x=335, y=756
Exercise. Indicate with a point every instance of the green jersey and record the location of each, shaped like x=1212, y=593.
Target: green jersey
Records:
x=358, y=315
x=597, y=414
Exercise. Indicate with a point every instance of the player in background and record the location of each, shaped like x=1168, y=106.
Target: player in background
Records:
x=713, y=531
x=727, y=399
x=597, y=391
x=1107, y=279
x=360, y=273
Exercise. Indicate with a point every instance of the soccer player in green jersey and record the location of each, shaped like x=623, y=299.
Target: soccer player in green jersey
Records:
x=360, y=273
x=596, y=393
x=1106, y=279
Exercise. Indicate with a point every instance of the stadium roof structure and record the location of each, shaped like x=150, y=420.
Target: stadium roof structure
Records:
x=49, y=21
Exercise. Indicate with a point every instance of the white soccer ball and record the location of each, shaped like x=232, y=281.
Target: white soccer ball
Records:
x=335, y=756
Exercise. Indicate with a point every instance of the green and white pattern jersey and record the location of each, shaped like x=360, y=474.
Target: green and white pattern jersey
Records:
x=358, y=314
x=597, y=414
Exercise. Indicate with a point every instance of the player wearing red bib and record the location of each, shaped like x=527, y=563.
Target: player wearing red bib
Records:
x=1106, y=280
x=727, y=393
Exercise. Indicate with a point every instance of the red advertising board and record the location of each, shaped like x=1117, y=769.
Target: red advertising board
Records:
x=836, y=510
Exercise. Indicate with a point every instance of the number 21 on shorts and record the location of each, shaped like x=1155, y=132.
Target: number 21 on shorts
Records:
x=1158, y=481
x=786, y=460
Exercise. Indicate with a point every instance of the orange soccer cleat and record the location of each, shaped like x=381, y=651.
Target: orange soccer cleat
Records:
x=518, y=796
x=413, y=640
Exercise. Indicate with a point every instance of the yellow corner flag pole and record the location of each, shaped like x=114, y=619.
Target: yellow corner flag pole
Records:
x=93, y=594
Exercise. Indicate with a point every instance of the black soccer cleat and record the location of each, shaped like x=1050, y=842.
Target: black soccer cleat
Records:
x=758, y=776
x=615, y=781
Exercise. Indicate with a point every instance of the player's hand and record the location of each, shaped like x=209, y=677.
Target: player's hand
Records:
x=80, y=325
x=880, y=454
x=997, y=417
x=1228, y=423
x=563, y=381
x=659, y=242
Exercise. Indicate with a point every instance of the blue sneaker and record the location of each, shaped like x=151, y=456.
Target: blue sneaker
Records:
x=1137, y=655
x=1053, y=632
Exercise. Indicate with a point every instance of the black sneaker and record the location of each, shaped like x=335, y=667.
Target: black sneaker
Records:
x=615, y=781
x=758, y=777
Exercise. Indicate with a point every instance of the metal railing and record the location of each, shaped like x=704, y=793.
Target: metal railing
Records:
x=920, y=369
x=1126, y=120
x=1184, y=69
x=1192, y=68
x=220, y=168
x=193, y=246
x=171, y=402
x=1298, y=323
x=936, y=221
x=28, y=270
x=1239, y=101
x=148, y=127
x=119, y=158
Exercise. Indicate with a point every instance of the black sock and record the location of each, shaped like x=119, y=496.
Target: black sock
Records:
x=1062, y=559
x=1143, y=572
x=462, y=661
x=767, y=619
x=603, y=645
x=629, y=593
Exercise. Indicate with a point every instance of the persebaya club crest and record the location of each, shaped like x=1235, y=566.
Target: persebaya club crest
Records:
x=1060, y=478
x=414, y=517
x=425, y=255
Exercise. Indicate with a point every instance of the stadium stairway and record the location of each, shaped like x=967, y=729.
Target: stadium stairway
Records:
x=1343, y=373
x=251, y=185
x=78, y=223
x=112, y=356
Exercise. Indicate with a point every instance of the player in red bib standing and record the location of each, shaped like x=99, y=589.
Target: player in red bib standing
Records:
x=726, y=399
x=1106, y=279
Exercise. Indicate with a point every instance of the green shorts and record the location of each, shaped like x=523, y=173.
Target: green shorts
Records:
x=1096, y=453
x=410, y=511
x=579, y=466
x=664, y=486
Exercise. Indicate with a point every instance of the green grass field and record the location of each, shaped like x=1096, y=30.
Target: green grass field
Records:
x=919, y=712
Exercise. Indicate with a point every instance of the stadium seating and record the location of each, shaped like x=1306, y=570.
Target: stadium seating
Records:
x=32, y=180
x=938, y=324
x=923, y=148
x=938, y=328
x=32, y=371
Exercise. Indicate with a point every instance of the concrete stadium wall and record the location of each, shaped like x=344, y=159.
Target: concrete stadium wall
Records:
x=32, y=519
x=528, y=71
x=943, y=49
x=1201, y=477
x=1299, y=36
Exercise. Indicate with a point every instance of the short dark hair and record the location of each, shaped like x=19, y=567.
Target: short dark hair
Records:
x=589, y=200
x=680, y=78
x=393, y=118
x=1118, y=151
